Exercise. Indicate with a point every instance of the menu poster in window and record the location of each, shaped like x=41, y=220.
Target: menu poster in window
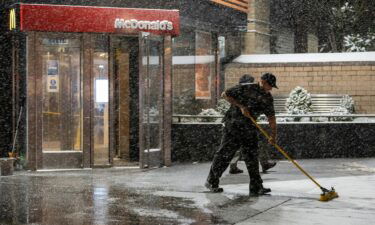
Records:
x=202, y=81
x=52, y=75
x=101, y=91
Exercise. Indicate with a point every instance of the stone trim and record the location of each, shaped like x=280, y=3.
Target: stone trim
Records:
x=259, y=21
x=297, y=64
x=258, y=32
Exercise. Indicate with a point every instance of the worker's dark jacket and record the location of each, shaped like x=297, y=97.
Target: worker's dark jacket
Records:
x=254, y=98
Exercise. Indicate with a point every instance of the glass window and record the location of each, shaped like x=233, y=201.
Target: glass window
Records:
x=183, y=73
x=193, y=72
x=222, y=52
x=184, y=44
x=101, y=101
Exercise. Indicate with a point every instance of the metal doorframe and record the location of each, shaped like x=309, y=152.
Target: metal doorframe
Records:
x=165, y=95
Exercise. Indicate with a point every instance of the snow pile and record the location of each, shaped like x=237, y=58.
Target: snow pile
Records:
x=354, y=166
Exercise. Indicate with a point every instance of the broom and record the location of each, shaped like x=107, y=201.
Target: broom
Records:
x=13, y=154
x=327, y=195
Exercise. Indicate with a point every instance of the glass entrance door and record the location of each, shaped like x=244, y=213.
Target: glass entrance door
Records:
x=59, y=68
x=151, y=92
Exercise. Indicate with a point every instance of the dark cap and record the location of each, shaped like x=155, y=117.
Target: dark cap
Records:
x=246, y=78
x=270, y=78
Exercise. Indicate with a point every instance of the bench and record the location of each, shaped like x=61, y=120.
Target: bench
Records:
x=321, y=103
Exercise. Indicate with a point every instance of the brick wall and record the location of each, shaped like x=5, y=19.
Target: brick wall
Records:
x=183, y=79
x=356, y=79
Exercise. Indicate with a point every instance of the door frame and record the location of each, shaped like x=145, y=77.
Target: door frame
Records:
x=165, y=95
x=133, y=71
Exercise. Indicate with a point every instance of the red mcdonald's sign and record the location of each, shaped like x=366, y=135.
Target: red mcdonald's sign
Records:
x=67, y=18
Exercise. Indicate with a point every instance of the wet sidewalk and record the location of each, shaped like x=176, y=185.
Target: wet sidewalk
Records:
x=176, y=195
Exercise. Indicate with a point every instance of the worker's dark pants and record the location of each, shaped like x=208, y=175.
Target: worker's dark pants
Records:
x=234, y=138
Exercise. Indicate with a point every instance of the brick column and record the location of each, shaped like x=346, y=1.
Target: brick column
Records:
x=257, y=37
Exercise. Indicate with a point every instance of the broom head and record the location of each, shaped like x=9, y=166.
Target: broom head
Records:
x=328, y=195
x=13, y=155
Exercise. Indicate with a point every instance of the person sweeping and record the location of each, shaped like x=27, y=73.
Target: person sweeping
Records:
x=263, y=155
x=247, y=100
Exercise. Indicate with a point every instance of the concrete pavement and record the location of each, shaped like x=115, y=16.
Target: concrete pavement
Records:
x=176, y=195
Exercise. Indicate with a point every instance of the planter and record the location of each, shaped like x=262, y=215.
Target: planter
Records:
x=6, y=166
x=199, y=141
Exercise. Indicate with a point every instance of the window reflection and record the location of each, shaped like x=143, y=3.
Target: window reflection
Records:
x=204, y=63
x=194, y=72
x=101, y=105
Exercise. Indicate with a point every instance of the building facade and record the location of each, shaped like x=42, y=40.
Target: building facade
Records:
x=94, y=83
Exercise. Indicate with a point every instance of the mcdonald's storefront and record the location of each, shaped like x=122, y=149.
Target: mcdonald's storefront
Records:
x=93, y=85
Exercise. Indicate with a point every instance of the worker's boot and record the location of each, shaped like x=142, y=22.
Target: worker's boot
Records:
x=256, y=190
x=235, y=170
x=268, y=166
x=213, y=188
x=262, y=191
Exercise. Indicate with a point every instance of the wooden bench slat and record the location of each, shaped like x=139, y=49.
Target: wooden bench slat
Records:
x=320, y=103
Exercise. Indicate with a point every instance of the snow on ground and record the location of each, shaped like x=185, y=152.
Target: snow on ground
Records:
x=163, y=213
x=200, y=199
x=292, y=202
x=354, y=205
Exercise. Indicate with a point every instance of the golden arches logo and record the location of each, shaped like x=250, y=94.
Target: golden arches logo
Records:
x=12, y=19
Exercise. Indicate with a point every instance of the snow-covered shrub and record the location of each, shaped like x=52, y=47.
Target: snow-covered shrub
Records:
x=359, y=43
x=153, y=114
x=185, y=103
x=222, y=106
x=209, y=112
x=154, y=111
x=262, y=118
x=346, y=107
x=347, y=103
x=298, y=102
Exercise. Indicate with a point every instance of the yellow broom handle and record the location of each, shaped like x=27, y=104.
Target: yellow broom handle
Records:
x=283, y=152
